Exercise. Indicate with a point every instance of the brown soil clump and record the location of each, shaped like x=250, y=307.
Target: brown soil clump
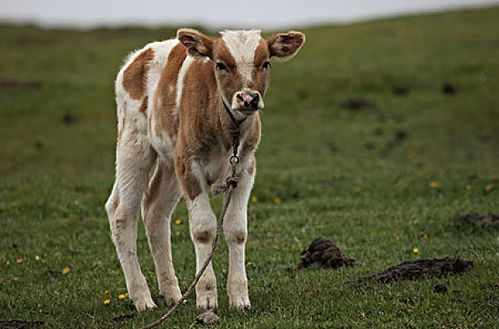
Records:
x=324, y=253
x=422, y=269
x=477, y=219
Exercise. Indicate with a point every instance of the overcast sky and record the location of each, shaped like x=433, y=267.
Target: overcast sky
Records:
x=215, y=14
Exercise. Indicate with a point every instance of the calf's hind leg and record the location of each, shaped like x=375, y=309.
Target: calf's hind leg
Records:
x=160, y=200
x=134, y=159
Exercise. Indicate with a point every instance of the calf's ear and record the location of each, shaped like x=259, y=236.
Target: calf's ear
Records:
x=196, y=42
x=285, y=45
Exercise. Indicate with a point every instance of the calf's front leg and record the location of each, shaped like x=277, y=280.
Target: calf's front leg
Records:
x=203, y=227
x=236, y=232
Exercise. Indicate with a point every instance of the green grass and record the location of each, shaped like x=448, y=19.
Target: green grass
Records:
x=376, y=204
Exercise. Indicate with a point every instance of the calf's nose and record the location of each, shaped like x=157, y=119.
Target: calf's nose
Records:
x=249, y=99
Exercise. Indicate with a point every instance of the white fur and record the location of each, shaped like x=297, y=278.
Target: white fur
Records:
x=242, y=45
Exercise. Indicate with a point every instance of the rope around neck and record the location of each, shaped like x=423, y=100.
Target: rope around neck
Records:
x=231, y=184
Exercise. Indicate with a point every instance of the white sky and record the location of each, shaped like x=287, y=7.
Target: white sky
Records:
x=216, y=14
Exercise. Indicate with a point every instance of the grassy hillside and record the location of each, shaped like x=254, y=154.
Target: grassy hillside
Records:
x=378, y=181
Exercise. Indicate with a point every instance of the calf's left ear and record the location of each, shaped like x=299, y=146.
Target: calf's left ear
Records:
x=285, y=45
x=197, y=43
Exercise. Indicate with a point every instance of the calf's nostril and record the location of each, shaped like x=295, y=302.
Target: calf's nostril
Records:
x=255, y=101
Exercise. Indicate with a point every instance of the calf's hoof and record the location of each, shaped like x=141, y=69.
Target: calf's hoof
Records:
x=207, y=300
x=240, y=303
x=143, y=305
x=143, y=302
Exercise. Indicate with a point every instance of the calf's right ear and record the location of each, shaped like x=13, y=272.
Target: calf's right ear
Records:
x=196, y=42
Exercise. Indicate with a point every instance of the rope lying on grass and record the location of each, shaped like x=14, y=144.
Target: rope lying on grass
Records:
x=214, y=245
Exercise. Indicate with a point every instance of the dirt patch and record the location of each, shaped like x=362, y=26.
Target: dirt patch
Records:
x=68, y=118
x=19, y=84
x=422, y=269
x=440, y=289
x=325, y=254
x=356, y=104
x=449, y=89
x=124, y=317
x=53, y=273
x=19, y=324
x=477, y=219
x=400, y=90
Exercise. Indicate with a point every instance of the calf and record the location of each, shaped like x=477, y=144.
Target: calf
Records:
x=178, y=101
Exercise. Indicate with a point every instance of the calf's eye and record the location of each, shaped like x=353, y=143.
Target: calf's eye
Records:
x=266, y=65
x=222, y=67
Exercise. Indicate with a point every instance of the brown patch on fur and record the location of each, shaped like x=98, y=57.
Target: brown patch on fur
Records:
x=260, y=74
x=135, y=75
x=261, y=54
x=203, y=236
x=189, y=182
x=223, y=54
x=239, y=237
x=143, y=106
x=166, y=92
x=200, y=124
x=230, y=82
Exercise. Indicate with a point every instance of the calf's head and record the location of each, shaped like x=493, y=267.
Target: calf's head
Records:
x=241, y=61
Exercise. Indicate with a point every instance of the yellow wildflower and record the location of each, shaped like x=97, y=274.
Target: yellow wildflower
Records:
x=254, y=199
x=19, y=261
x=415, y=250
x=410, y=154
x=276, y=201
x=434, y=184
x=66, y=270
x=177, y=233
x=106, y=302
x=488, y=188
x=122, y=296
x=38, y=258
x=178, y=221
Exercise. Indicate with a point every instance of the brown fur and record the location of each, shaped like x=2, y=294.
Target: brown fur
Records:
x=203, y=236
x=205, y=125
x=167, y=90
x=189, y=182
x=259, y=73
x=135, y=75
x=143, y=106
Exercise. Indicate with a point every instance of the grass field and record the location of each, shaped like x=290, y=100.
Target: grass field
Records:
x=361, y=178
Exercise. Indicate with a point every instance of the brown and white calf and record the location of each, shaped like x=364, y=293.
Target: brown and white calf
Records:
x=170, y=97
